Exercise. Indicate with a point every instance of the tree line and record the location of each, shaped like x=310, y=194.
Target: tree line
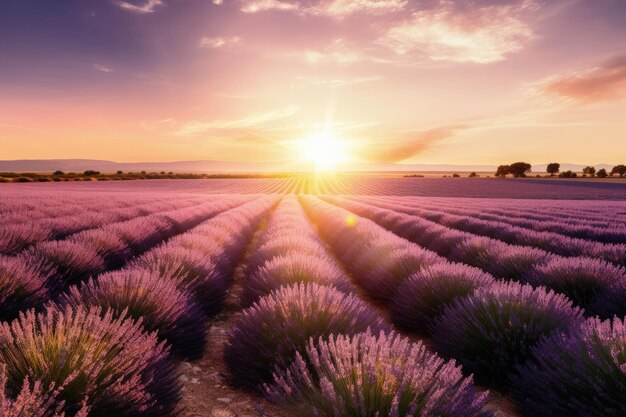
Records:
x=521, y=169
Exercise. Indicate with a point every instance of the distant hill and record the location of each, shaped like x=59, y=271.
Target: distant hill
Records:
x=209, y=166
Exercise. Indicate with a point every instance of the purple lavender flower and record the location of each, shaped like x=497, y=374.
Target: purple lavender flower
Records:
x=22, y=285
x=72, y=262
x=110, y=364
x=577, y=374
x=164, y=308
x=191, y=270
x=32, y=400
x=293, y=269
x=370, y=376
x=269, y=333
x=496, y=328
x=423, y=297
x=597, y=286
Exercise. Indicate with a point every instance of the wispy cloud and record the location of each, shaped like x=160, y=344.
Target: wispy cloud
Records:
x=147, y=6
x=340, y=9
x=479, y=35
x=12, y=126
x=303, y=82
x=254, y=6
x=253, y=121
x=337, y=9
x=219, y=42
x=102, y=68
x=408, y=144
x=603, y=82
x=339, y=52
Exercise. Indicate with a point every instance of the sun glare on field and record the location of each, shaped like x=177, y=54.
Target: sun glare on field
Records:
x=325, y=150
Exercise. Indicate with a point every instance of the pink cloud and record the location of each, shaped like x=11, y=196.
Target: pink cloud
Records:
x=409, y=144
x=603, y=82
x=146, y=7
x=444, y=33
x=219, y=42
x=342, y=8
x=254, y=6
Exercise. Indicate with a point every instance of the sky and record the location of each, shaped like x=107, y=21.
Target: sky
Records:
x=432, y=81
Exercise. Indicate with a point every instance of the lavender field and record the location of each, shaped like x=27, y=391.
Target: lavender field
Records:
x=329, y=297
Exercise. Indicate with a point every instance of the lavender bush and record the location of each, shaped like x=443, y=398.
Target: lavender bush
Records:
x=22, y=285
x=380, y=274
x=15, y=237
x=191, y=270
x=109, y=364
x=164, y=308
x=32, y=401
x=72, y=262
x=577, y=374
x=269, y=333
x=423, y=297
x=597, y=286
x=113, y=249
x=281, y=245
x=374, y=376
x=496, y=328
x=293, y=269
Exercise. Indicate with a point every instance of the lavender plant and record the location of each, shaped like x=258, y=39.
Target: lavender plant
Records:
x=191, y=270
x=72, y=262
x=109, y=364
x=268, y=334
x=597, y=286
x=33, y=401
x=293, y=269
x=495, y=329
x=22, y=285
x=577, y=374
x=375, y=376
x=423, y=296
x=163, y=307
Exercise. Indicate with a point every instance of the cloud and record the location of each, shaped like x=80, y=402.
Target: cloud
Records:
x=340, y=9
x=339, y=52
x=606, y=81
x=102, y=68
x=478, y=35
x=302, y=82
x=409, y=144
x=337, y=9
x=147, y=6
x=254, y=121
x=254, y=6
x=219, y=42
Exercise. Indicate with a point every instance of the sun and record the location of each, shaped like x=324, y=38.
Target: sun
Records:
x=325, y=150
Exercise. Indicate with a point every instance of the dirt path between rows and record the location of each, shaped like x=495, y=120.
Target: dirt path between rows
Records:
x=206, y=390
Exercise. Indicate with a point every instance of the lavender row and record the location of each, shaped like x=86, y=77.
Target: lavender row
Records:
x=606, y=232
x=597, y=286
x=289, y=254
x=528, y=339
x=17, y=237
x=112, y=332
x=48, y=268
x=57, y=206
x=175, y=286
x=301, y=329
x=597, y=213
x=552, y=242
